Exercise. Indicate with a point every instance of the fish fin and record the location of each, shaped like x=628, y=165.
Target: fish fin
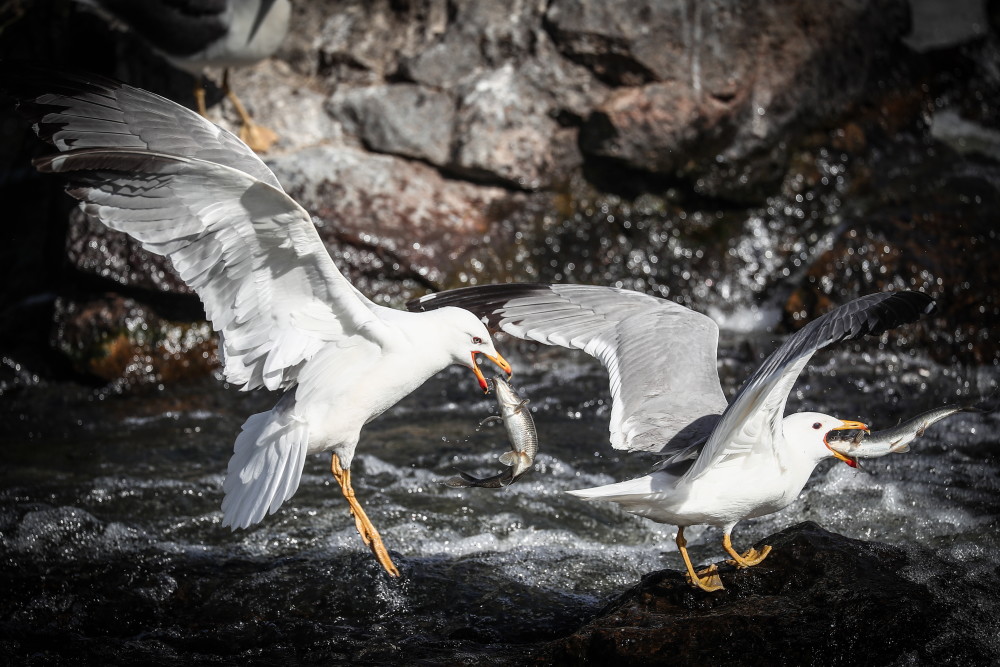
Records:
x=490, y=420
x=462, y=480
x=520, y=405
x=900, y=449
x=509, y=458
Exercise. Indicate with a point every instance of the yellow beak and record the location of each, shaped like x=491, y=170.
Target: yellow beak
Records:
x=848, y=424
x=498, y=360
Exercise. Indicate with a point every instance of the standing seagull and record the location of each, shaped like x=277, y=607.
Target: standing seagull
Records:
x=724, y=463
x=194, y=35
x=287, y=319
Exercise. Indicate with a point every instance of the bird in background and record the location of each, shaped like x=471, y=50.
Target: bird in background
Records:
x=194, y=35
x=723, y=461
x=287, y=319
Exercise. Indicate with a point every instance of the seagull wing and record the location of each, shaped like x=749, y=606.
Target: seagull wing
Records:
x=250, y=252
x=754, y=415
x=73, y=111
x=660, y=356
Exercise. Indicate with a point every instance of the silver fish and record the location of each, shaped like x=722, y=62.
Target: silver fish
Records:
x=862, y=445
x=521, y=433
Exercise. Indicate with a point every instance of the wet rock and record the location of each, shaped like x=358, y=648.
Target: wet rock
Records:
x=819, y=598
x=924, y=233
x=96, y=249
x=120, y=340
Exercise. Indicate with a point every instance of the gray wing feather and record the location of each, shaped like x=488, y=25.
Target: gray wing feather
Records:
x=756, y=410
x=660, y=356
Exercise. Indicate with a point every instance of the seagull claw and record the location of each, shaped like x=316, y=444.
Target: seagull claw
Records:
x=710, y=581
x=748, y=559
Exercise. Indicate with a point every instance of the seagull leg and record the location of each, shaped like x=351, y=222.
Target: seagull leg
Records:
x=257, y=137
x=199, y=96
x=749, y=559
x=365, y=528
x=711, y=581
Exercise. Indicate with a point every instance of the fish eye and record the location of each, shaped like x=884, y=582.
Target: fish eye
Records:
x=817, y=426
x=477, y=340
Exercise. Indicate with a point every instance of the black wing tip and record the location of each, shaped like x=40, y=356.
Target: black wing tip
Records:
x=475, y=297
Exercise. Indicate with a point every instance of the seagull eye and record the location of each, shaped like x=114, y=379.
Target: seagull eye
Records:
x=817, y=426
x=477, y=340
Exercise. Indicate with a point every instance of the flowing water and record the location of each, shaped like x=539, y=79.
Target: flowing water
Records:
x=112, y=549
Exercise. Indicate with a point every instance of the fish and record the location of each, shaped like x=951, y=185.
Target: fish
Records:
x=521, y=433
x=863, y=445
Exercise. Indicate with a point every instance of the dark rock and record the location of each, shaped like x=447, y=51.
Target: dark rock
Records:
x=923, y=233
x=721, y=81
x=819, y=598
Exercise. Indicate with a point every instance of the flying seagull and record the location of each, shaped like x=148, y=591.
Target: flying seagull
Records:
x=194, y=35
x=724, y=462
x=287, y=319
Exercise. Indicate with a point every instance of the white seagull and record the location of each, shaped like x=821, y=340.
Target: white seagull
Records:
x=194, y=36
x=724, y=462
x=288, y=320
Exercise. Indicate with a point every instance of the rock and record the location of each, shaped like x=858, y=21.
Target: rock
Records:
x=706, y=83
x=504, y=132
x=819, y=598
x=389, y=219
x=120, y=340
x=924, y=233
x=402, y=119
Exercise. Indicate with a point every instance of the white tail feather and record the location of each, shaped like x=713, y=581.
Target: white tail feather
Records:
x=618, y=492
x=266, y=466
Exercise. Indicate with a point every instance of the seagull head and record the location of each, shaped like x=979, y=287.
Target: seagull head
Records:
x=809, y=431
x=467, y=338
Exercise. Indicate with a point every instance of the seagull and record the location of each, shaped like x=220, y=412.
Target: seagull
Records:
x=723, y=461
x=287, y=319
x=194, y=36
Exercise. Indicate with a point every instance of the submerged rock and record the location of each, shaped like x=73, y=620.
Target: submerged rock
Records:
x=819, y=598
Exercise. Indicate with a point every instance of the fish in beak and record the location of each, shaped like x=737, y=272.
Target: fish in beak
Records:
x=846, y=425
x=498, y=360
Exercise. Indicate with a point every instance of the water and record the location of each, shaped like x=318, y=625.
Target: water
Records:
x=112, y=549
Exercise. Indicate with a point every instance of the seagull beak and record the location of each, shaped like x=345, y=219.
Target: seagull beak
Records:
x=845, y=425
x=498, y=360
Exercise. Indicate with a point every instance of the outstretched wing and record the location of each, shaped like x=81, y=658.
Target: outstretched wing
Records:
x=74, y=111
x=660, y=356
x=192, y=191
x=250, y=252
x=756, y=411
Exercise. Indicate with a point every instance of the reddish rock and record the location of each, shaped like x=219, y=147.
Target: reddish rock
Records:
x=119, y=340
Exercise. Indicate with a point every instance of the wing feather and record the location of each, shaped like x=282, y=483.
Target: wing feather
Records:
x=249, y=251
x=660, y=356
x=74, y=110
x=755, y=413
